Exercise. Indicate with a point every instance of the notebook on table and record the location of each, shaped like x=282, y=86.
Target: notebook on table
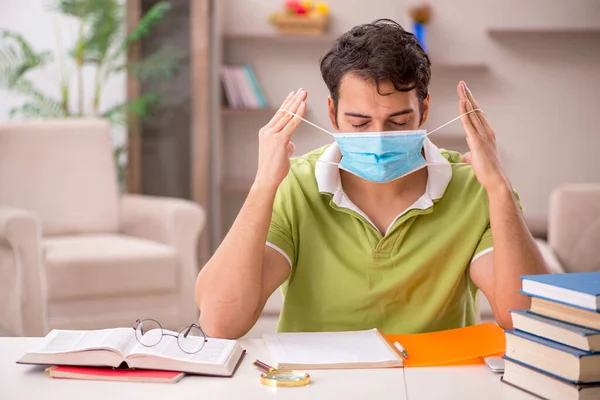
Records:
x=113, y=347
x=373, y=349
x=331, y=350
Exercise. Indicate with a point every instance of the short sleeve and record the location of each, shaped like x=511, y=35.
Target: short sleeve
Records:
x=280, y=236
x=485, y=245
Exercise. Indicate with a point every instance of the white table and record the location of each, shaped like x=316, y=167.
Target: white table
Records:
x=468, y=382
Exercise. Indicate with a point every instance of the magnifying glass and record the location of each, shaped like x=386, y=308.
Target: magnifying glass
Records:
x=281, y=377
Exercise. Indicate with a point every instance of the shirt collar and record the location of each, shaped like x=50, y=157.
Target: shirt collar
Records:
x=329, y=180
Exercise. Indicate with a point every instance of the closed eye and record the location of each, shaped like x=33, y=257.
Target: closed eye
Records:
x=397, y=123
x=360, y=125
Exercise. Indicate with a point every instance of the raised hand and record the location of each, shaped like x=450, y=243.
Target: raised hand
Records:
x=274, y=145
x=481, y=139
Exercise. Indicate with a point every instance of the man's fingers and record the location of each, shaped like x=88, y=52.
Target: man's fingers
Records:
x=466, y=158
x=279, y=114
x=290, y=148
x=484, y=122
x=479, y=129
x=287, y=131
x=466, y=121
x=293, y=108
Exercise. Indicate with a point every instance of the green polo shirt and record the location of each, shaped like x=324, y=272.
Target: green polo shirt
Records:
x=346, y=275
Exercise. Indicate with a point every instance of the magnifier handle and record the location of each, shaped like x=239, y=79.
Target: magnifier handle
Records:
x=262, y=366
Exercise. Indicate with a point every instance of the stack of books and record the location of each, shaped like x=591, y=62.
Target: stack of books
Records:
x=242, y=89
x=554, y=349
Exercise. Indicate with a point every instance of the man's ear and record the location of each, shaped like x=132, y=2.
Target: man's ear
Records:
x=425, y=109
x=332, y=113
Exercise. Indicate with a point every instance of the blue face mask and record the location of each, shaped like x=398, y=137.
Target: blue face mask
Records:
x=382, y=156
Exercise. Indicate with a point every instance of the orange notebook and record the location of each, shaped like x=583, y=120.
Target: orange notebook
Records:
x=462, y=346
x=109, y=374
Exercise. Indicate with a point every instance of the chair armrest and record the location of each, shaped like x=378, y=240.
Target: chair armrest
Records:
x=160, y=219
x=173, y=222
x=549, y=257
x=574, y=226
x=22, y=289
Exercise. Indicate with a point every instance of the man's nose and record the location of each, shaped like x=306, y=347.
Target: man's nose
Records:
x=379, y=126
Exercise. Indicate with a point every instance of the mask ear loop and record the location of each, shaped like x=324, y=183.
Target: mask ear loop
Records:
x=329, y=133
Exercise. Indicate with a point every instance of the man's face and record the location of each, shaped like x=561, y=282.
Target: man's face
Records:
x=362, y=109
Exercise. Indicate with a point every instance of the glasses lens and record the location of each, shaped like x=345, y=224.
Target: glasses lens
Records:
x=148, y=332
x=191, y=339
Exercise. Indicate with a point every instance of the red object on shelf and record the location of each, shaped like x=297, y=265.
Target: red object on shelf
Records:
x=301, y=9
x=292, y=5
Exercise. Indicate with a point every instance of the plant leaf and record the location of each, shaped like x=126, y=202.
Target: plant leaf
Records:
x=17, y=57
x=161, y=64
x=141, y=107
x=154, y=15
x=35, y=110
x=105, y=27
x=49, y=106
x=80, y=9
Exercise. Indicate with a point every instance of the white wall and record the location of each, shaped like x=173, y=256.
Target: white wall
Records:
x=541, y=92
x=34, y=20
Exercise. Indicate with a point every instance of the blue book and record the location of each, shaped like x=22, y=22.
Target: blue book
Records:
x=255, y=87
x=545, y=385
x=566, y=362
x=579, y=289
x=559, y=331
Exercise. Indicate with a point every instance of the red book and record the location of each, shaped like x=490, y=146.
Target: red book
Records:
x=110, y=374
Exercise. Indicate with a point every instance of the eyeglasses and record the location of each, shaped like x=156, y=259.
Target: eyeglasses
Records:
x=149, y=333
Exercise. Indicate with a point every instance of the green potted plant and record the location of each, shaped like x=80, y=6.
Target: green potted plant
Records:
x=102, y=44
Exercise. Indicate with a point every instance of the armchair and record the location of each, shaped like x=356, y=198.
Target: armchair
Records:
x=573, y=233
x=74, y=254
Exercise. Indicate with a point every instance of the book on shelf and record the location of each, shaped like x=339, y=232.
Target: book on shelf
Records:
x=114, y=374
x=559, y=331
x=542, y=384
x=113, y=347
x=578, y=289
x=329, y=350
x=566, y=362
x=242, y=89
x=564, y=312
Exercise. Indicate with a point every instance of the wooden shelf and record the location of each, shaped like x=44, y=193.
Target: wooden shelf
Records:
x=236, y=185
x=501, y=31
x=259, y=112
x=281, y=39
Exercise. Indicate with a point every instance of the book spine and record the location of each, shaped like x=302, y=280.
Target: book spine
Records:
x=229, y=95
x=262, y=102
x=244, y=88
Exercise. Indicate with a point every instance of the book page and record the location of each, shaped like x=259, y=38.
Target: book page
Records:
x=63, y=341
x=329, y=348
x=215, y=351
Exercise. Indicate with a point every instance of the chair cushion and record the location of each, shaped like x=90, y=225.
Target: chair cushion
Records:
x=92, y=266
x=64, y=171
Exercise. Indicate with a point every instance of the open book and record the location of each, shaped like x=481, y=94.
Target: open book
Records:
x=329, y=350
x=112, y=347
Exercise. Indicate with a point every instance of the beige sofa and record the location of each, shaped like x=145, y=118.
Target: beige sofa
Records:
x=573, y=233
x=74, y=254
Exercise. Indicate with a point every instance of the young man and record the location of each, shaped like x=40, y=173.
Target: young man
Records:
x=406, y=255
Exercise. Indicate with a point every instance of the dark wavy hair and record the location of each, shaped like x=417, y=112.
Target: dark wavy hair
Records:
x=379, y=52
